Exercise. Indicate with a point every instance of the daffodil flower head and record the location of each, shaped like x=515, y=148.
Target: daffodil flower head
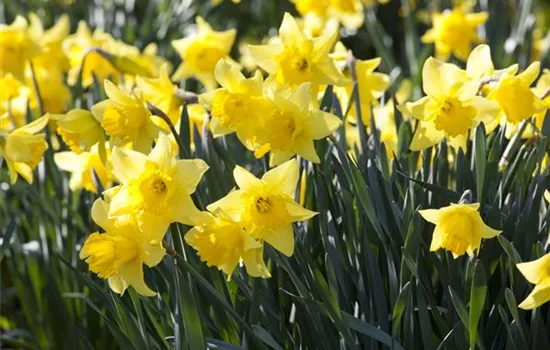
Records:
x=223, y=243
x=156, y=189
x=238, y=106
x=266, y=206
x=54, y=94
x=538, y=273
x=85, y=60
x=201, y=51
x=14, y=101
x=516, y=99
x=161, y=93
x=79, y=129
x=126, y=119
x=291, y=126
x=451, y=109
x=454, y=31
x=542, y=90
x=17, y=47
x=119, y=253
x=458, y=228
x=299, y=59
x=82, y=166
x=23, y=149
x=52, y=58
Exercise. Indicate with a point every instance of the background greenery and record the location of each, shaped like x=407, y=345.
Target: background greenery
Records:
x=362, y=275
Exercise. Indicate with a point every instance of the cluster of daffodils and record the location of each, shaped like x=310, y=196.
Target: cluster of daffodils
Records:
x=273, y=111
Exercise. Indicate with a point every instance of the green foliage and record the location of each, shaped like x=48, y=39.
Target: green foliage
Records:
x=362, y=275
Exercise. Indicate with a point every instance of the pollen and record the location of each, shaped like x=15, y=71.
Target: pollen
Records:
x=295, y=67
x=152, y=187
x=263, y=205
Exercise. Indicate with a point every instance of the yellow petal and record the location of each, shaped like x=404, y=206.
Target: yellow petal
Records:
x=232, y=205
x=417, y=109
x=426, y=136
x=438, y=77
x=431, y=215
x=117, y=284
x=282, y=239
x=321, y=124
x=290, y=33
x=284, y=178
x=479, y=62
x=127, y=164
x=530, y=74
x=100, y=211
x=116, y=94
x=297, y=212
x=132, y=273
x=264, y=55
x=253, y=260
x=162, y=154
x=189, y=173
x=68, y=161
x=539, y=296
x=34, y=126
x=437, y=237
x=488, y=232
x=535, y=270
x=228, y=75
x=306, y=148
x=245, y=180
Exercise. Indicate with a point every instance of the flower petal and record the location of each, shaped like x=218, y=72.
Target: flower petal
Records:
x=127, y=164
x=282, y=239
x=132, y=273
x=535, y=270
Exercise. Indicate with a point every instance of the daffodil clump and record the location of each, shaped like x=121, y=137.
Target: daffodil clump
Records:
x=299, y=160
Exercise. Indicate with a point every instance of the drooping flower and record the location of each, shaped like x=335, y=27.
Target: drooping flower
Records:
x=126, y=119
x=299, y=59
x=238, y=106
x=450, y=110
x=458, y=228
x=17, y=47
x=371, y=86
x=162, y=94
x=291, y=126
x=454, y=31
x=82, y=166
x=266, y=206
x=156, y=189
x=538, y=273
x=201, y=51
x=79, y=129
x=222, y=242
x=118, y=254
x=23, y=149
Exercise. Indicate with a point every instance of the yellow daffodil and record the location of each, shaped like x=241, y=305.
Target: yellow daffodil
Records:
x=156, y=189
x=299, y=59
x=458, y=228
x=17, y=47
x=81, y=166
x=480, y=65
x=54, y=94
x=23, y=150
x=162, y=94
x=349, y=12
x=515, y=98
x=454, y=31
x=52, y=58
x=238, y=106
x=370, y=3
x=542, y=90
x=79, y=48
x=201, y=51
x=126, y=119
x=14, y=99
x=266, y=206
x=291, y=126
x=79, y=129
x=538, y=273
x=198, y=116
x=222, y=242
x=371, y=86
x=450, y=110
x=118, y=254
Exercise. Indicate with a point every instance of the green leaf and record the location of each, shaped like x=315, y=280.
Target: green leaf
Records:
x=478, y=293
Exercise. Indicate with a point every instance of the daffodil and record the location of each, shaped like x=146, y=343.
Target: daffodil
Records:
x=14, y=100
x=54, y=94
x=451, y=109
x=156, y=189
x=371, y=86
x=126, y=119
x=52, y=58
x=223, y=243
x=515, y=98
x=349, y=12
x=238, y=106
x=299, y=59
x=201, y=51
x=162, y=94
x=266, y=206
x=23, y=149
x=79, y=129
x=82, y=166
x=454, y=31
x=542, y=90
x=480, y=65
x=291, y=126
x=198, y=118
x=118, y=254
x=84, y=59
x=17, y=47
x=458, y=228
x=538, y=273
